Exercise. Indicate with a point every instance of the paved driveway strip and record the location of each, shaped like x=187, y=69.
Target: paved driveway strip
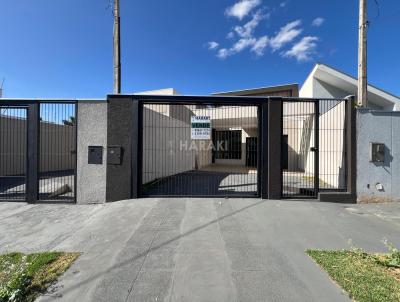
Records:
x=196, y=249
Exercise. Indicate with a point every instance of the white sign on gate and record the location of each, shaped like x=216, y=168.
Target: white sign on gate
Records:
x=201, y=127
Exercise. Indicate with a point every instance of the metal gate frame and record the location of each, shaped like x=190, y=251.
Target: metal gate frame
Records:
x=348, y=149
x=314, y=149
x=33, y=145
x=270, y=135
x=137, y=144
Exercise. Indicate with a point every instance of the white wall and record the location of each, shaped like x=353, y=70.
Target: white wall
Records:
x=166, y=146
x=331, y=147
x=298, y=141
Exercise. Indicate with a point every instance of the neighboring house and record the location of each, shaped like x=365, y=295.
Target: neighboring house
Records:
x=290, y=90
x=327, y=82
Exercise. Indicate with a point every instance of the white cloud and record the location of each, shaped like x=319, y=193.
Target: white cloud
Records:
x=242, y=8
x=223, y=53
x=242, y=44
x=247, y=30
x=317, y=22
x=212, y=45
x=230, y=35
x=260, y=45
x=302, y=50
x=286, y=35
x=256, y=45
x=243, y=37
x=239, y=46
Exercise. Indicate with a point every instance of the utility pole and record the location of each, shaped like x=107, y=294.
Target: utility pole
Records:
x=362, y=56
x=117, y=49
x=1, y=88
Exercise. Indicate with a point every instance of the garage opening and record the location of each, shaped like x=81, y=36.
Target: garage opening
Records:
x=200, y=150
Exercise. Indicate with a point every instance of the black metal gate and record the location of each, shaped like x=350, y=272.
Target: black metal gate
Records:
x=313, y=147
x=38, y=150
x=57, y=151
x=199, y=150
x=13, y=153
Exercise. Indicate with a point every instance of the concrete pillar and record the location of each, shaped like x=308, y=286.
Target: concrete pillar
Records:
x=92, y=131
x=119, y=133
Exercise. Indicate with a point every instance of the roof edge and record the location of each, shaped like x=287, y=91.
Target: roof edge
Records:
x=293, y=87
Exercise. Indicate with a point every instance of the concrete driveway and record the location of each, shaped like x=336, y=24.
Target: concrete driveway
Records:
x=199, y=183
x=196, y=249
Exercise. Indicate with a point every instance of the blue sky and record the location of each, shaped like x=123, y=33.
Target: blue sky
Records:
x=63, y=48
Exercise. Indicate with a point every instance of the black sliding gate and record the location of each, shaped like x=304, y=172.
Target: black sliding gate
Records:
x=199, y=150
x=313, y=147
x=38, y=151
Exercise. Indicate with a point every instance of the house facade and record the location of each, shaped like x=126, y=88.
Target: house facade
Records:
x=269, y=142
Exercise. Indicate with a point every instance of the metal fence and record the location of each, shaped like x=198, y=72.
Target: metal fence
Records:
x=38, y=151
x=220, y=159
x=13, y=155
x=57, y=151
x=313, y=147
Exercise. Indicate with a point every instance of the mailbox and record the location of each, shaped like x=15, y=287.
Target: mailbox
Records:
x=95, y=155
x=114, y=155
x=377, y=152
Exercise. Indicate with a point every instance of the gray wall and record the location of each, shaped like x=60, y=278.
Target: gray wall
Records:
x=379, y=127
x=119, y=133
x=92, y=131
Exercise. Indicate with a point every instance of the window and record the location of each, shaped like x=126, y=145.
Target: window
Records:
x=228, y=144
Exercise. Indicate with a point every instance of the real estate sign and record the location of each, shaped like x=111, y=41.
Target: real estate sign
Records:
x=201, y=127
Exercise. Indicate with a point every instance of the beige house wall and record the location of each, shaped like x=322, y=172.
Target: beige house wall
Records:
x=57, y=146
x=166, y=146
x=13, y=138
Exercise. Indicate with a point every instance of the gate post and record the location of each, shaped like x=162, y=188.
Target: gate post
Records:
x=136, y=148
x=32, y=165
x=119, y=134
x=351, y=147
x=263, y=153
x=274, y=148
x=316, y=148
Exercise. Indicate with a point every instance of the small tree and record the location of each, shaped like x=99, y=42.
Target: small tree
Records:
x=70, y=121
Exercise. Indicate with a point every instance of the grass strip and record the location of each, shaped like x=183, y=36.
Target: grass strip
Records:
x=363, y=276
x=24, y=276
